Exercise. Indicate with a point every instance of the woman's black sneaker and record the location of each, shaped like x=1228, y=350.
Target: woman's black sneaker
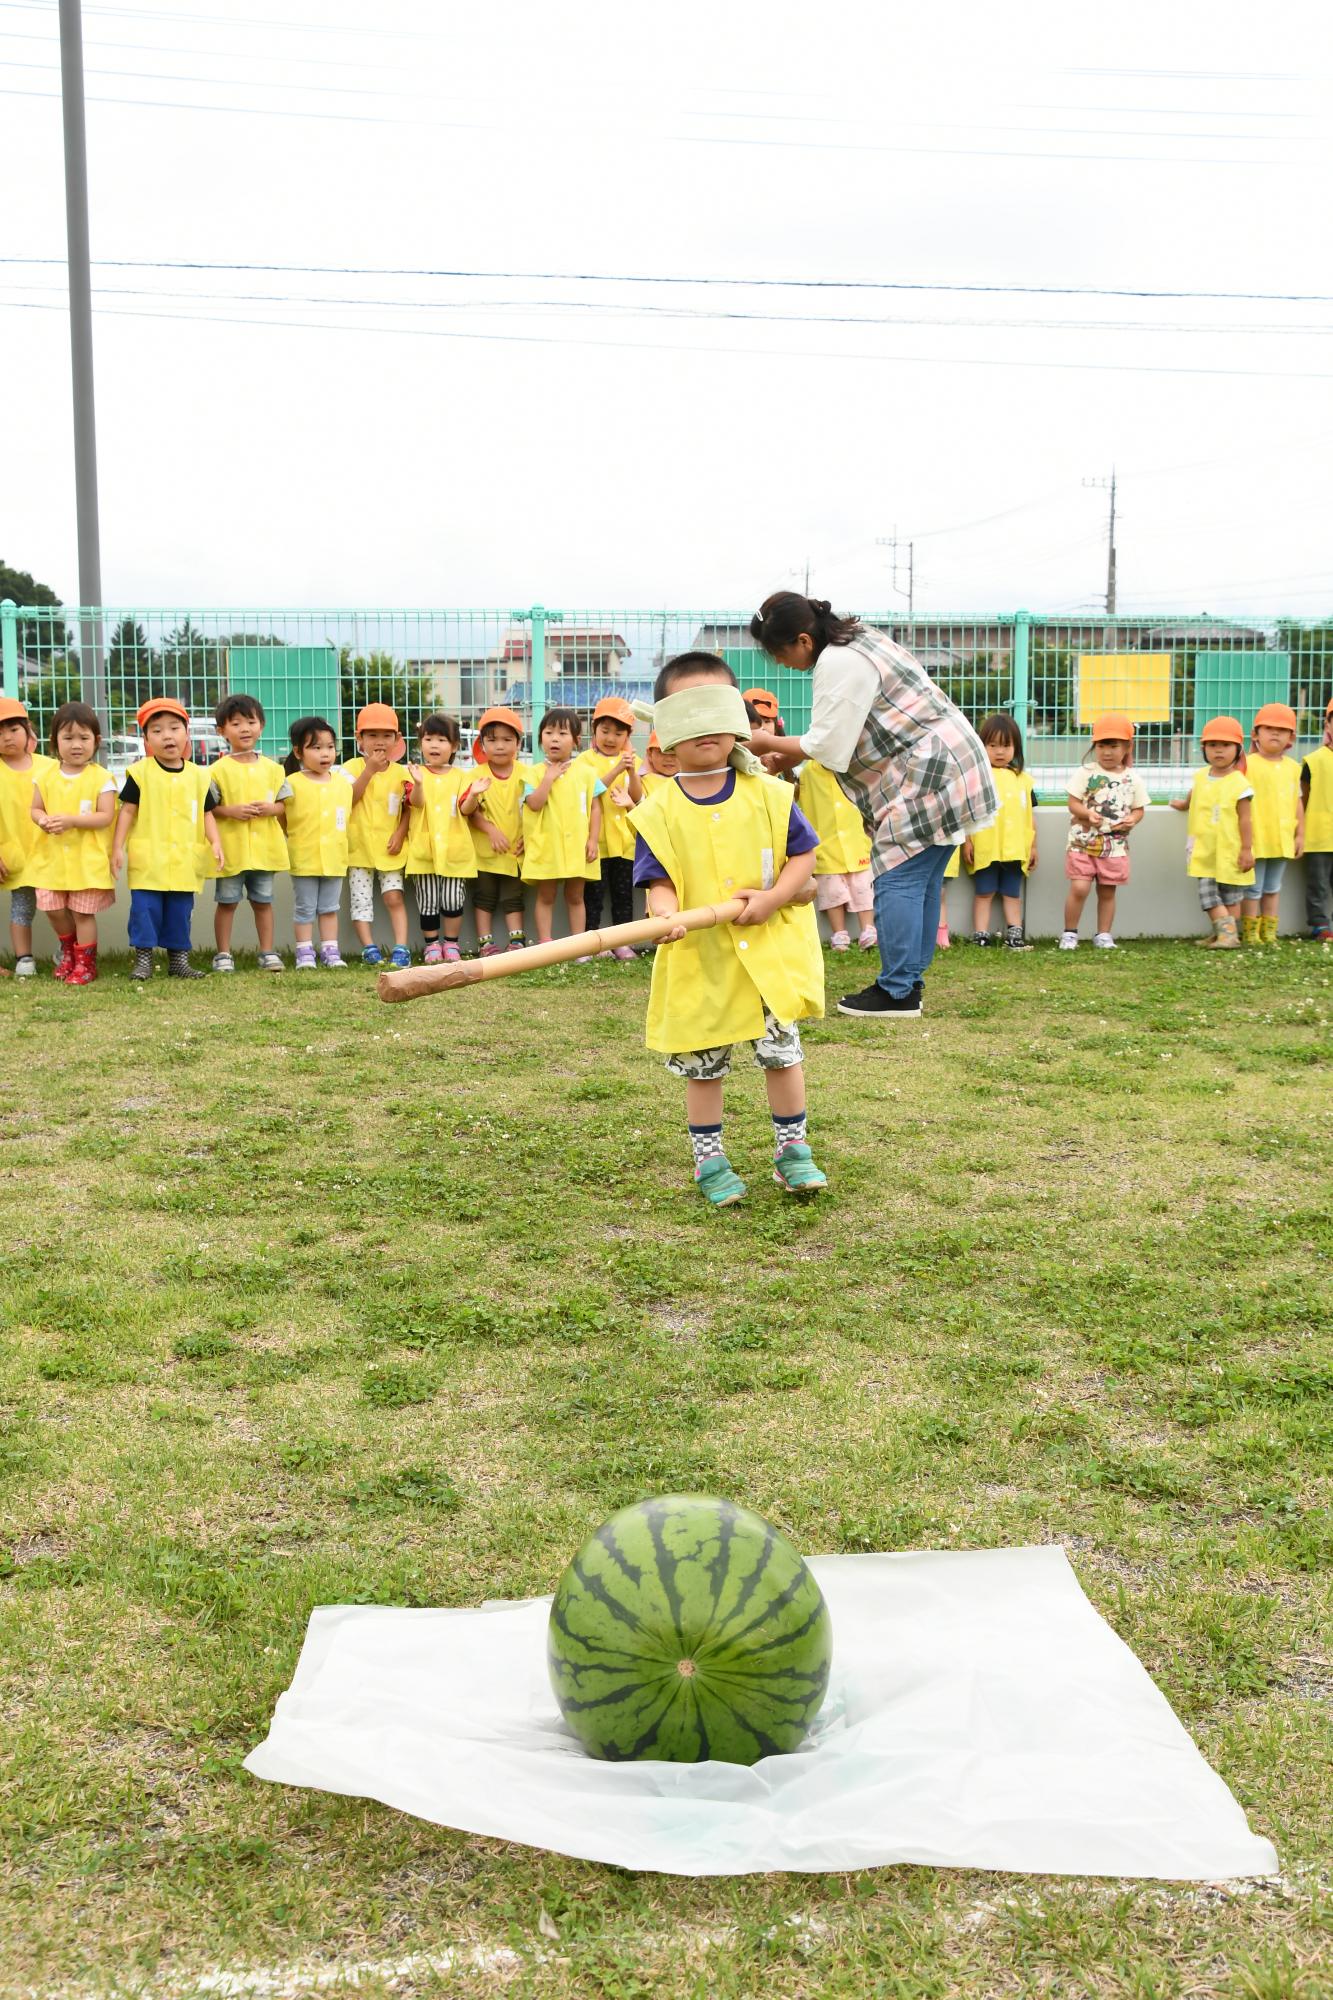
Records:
x=876, y=1004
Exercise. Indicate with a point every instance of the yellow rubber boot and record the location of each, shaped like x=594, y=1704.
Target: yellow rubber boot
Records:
x=1268, y=930
x=1249, y=929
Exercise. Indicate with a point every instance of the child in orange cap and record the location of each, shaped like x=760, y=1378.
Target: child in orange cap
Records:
x=657, y=767
x=493, y=807
x=1279, y=817
x=74, y=806
x=1317, y=798
x=1220, y=845
x=377, y=830
x=166, y=825
x=1107, y=799
x=612, y=761
x=19, y=770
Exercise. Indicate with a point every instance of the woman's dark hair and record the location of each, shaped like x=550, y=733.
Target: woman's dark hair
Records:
x=306, y=730
x=999, y=728
x=568, y=716
x=783, y=617
x=75, y=711
x=691, y=663
x=439, y=725
x=232, y=705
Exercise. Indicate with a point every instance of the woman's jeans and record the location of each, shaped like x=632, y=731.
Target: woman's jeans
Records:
x=907, y=917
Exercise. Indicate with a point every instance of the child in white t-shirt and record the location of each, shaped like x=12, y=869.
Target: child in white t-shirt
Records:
x=1107, y=799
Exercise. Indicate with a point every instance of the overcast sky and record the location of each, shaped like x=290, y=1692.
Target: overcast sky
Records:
x=376, y=435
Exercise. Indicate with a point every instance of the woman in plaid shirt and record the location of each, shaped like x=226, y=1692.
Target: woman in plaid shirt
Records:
x=908, y=760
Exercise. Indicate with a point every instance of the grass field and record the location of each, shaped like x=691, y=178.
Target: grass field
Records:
x=307, y=1300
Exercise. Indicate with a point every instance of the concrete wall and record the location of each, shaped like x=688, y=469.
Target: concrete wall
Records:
x=1159, y=900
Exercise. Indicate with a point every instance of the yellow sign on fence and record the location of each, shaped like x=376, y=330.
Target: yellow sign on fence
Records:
x=1137, y=684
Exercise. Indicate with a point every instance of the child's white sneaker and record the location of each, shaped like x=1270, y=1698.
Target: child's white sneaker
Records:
x=1104, y=941
x=839, y=942
x=1069, y=940
x=25, y=967
x=223, y=962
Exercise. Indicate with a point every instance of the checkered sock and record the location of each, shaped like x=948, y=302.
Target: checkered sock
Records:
x=707, y=1143
x=788, y=1132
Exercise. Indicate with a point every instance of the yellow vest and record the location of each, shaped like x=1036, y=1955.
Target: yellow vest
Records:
x=844, y=844
x=166, y=847
x=1319, y=805
x=318, y=818
x=250, y=843
x=1277, y=788
x=502, y=805
x=711, y=987
x=555, y=840
x=18, y=832
x=617, y=840
x=1010, y=836
x=650, y=780
x=440, y=842
x=1214, y=827
x=374, y=817
x=951, y=872
x=75, y=860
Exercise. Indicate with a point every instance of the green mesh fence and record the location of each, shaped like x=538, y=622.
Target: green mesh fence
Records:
x=1054, y=674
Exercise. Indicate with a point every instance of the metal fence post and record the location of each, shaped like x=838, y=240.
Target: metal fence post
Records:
x=537, y=677
x=9, y=648
x=1019, y=698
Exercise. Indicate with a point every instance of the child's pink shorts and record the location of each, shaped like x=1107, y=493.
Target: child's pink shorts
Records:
x=855, y=891
x=1108, y=869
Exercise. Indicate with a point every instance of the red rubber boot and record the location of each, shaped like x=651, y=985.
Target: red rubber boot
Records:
x=68, y=947
x=84, y=970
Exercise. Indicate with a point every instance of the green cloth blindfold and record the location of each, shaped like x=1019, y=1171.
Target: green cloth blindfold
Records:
x=710, y=708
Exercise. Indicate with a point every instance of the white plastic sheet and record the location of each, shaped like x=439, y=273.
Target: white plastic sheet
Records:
x=980, y=1714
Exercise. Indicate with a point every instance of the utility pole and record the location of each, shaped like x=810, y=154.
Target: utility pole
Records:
x=1110, y=542
x=893, y=543
x=81, y=351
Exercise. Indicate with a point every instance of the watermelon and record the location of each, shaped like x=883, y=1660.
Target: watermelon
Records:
x=688, y=1628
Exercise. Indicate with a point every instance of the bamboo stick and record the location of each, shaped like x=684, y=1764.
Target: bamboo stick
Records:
x=415, y=981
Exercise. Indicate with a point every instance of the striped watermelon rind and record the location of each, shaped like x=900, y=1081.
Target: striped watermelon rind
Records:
x=688, y=1628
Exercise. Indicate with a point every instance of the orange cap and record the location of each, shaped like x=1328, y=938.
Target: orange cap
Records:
x=653, y=743
x=1113, y=728
x=764, y=700
x=162, y=704
x=1223, y=729
x=377, y=715
x=612, y=709
x=1275, y=715
x=509, y=718
x=12, y=710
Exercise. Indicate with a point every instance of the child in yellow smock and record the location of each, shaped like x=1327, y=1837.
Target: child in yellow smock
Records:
x=318, y=816
x=73, y=807
x=378, y=830
x=20, y=766
x=492, y=803
x=1317, y=797
x=1220, y=845
x=612, y=761
x=657, y=767
x=713, y=833
x=562, y=823
x=166, y=825
x=251, y=825
x=1279, y=817
x=441, y=859
x=843, y=886
x=1001, y=855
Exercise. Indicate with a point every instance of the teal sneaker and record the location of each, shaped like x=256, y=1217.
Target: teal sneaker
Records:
x=794, y=1171
x=719, y=1182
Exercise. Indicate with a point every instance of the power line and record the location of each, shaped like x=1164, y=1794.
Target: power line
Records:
x=655, y=278
x=680, y=347
x=230, y=20
x=702, y=314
